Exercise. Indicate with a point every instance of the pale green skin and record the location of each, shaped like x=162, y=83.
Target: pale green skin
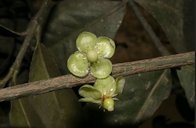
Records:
x=92, y=56
x=101, y=68
x=103, y=92
x=107, y=86
x=105, y=47
x=86, y=41
x=108, y=104
x=93, y=53
x=78, y=64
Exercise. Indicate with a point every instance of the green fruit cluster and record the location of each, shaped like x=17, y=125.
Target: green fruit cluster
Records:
x=93, y=57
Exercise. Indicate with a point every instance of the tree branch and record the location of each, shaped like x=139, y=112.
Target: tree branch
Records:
x=30, y=34
x=121, y=69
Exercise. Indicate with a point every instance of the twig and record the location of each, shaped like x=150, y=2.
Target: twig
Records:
x=148, y=29
x=30, y=34
x=151, y=33
x=6, y=31
x=121, y=69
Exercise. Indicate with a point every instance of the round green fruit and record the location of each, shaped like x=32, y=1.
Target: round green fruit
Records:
x=78, y=64
x=105, y=47
x=86, y=41
x=108, y=104
x=102, y=68
x=92, y=55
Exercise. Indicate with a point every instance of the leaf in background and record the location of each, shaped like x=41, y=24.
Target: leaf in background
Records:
x=51, y=110
x=11, y=20
x=187, y=80
x=4, y=110
x=7, y=50
x=169, y=14
x=141, y=97
x=69, y=18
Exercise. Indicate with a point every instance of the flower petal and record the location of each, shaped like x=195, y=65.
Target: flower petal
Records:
x=89, y=91
x=106, y=86
x=78, y=64
x=86, y=41
x=120, y=82
x=101, y=68
x=105, y=47
x=90, y=100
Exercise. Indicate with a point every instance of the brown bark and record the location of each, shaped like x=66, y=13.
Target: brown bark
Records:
x=121, y=69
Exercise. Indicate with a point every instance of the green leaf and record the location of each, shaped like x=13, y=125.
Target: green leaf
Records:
x=68, y=19
x=106, y=86
x=170, y=15
x=187, y=80
x=89, y=91
x=7, y=47
x=53, y=109
x=141, y=97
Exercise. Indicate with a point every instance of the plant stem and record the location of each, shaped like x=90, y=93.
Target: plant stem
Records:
x=29, y=35
x=148, y=29
x=121, y=69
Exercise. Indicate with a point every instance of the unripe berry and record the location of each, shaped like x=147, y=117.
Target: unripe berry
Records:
x=101, y=68
x=92, y=55
x=78, y=65
x=108, y=104
x=105, y=47
x=86, y=41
